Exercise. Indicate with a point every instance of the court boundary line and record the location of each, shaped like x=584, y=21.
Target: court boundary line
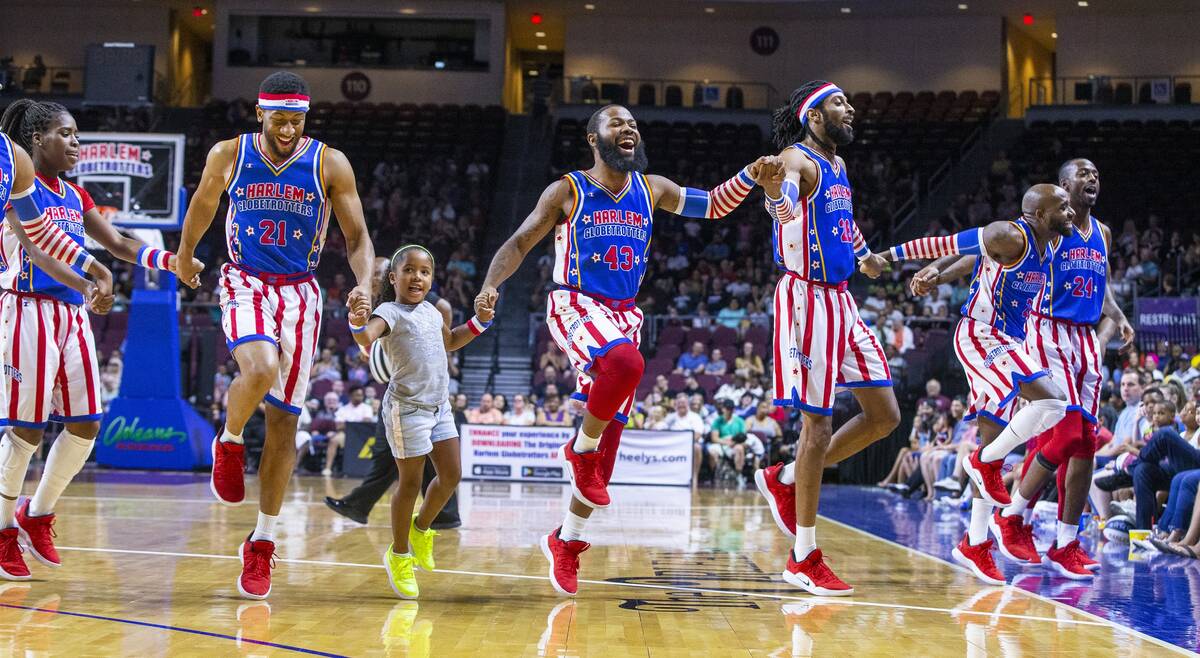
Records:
x=1098, y=620
x=321, y=503
x=178, y=629
x=700, y=590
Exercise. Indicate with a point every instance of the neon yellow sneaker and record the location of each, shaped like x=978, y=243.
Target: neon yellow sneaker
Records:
x=403, y=634
x=421, y=544
x=400, y=574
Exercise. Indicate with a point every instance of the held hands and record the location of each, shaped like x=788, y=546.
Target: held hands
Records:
x=99, y=292
x=485, y=303
x=195, y=266
x=872, y=265
x=925, y=281
x=359, y=303
x=768, y=171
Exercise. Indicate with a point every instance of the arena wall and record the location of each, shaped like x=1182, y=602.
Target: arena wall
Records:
x=1116, y=45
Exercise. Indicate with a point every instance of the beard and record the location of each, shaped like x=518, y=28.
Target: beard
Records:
x=613, y=157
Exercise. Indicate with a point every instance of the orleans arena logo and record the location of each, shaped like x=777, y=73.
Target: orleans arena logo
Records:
x=113, y=158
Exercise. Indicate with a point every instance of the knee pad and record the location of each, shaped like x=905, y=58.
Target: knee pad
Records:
x=1050, y=413
x=622, y=361
x=1064, y=440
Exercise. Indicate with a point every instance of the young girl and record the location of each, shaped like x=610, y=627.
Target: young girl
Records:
x=416, y=408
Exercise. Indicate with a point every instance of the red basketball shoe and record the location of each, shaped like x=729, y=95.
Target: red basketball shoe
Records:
x=258, y=558
x=781, y=498
x=815, y=577
x=1065, y=562
x=979, y=560
x=12, y=565
x=38, y=533
x=586, y=481
x=1015, y=539
x=229, y=467
x=987, y=478
x=1084, y=559
x=564, y=561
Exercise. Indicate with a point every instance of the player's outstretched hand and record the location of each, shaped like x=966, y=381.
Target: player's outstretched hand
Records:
x=1126, y=330
x=99, y=291
x=359, y=303
x=768, y=170
x=872, y=265
x=485, y=302
x=196, y=265
x=925, y=281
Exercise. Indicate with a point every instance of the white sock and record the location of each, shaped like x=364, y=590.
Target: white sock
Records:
x=15, y=454
x=1037, y=417
x=585, y=443
x=230, y=437
x=265, y=530
x=977, y=532
x=788, y=474
x=67, y=457
x=806, y=541
x=572, y=527
x=1067, y=533
x=1018, y=505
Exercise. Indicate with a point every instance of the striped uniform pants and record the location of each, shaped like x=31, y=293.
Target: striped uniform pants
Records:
x=1071, y=353
x=50, y=366
x=585, y=329
x=287, y=315
x=996, y=365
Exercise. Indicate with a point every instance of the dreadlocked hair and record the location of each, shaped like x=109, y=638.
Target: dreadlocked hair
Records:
x=25, y=117
x=786, y=128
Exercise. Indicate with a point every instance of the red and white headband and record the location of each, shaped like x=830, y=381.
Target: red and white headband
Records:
x=285, y=102
x=814, y=99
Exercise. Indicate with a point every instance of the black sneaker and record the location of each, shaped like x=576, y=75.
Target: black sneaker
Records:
x=338, y=505
x=1114, y=481
x=445, y=523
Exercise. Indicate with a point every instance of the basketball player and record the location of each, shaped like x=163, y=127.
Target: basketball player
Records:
x=281, y=186
x=602, y=220
x=820, y=340
x=48, y=336
x=1008, y=283
x=1060, y=336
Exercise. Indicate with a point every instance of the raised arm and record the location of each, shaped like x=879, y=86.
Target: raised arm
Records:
x=715, y=204
x=550, y=208
x=347, y=207
x=203, y=206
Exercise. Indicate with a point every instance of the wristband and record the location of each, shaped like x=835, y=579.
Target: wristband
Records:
x=357, y=330
x=88, y=261
x=477, y=326
x=863, y=252
x=154, y=259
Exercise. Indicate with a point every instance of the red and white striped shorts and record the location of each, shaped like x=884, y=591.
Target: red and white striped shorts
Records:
x=586, y=328
x=996, y=365
x=284, y=311
x=50, y=367
x=1071, y=353
x=821, y=343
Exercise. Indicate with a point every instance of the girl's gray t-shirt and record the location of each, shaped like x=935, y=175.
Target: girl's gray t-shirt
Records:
x=417, y=353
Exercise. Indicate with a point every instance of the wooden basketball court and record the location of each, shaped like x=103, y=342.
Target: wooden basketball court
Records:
x=149, y=570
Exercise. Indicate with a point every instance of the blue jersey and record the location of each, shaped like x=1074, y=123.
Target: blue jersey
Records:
x=7, y=170
x=819, y=243
x=278, y=214
x=603, y=246
x=1078, y=277
x=1004, y=295
x=63, y=203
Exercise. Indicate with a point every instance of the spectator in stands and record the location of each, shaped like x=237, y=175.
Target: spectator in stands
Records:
x=897, y=334
x=1165, y=455
x=907, y=460
x=762, y=424
x=326, y=367
x=702, y=319
x=748, y=364
x=732, y=390
x=721, y=444
x=552, y=413
x=683, y=419
x=716, y=365
x=934, y=398
x=550, y=377
x=896, y=362
x=500, y=403
x=656, y=418
x=485, y=413
x=553, y=356
x=459, y=406
x=521, y=413
x=358, y=410
x=692, y=362
x=731, y=316
x=324, y=426
x=747, y=406
x=110, y=384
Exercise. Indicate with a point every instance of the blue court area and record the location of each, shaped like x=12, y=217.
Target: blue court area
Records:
x=1151, y=593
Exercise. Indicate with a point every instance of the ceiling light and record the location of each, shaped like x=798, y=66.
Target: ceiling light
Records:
x=1054, y=35
x=532, y=73
x=439, y=64
x=710, y=10
x=408, y=11
x=1083, y=3
x=589, y=6
x=539, y=34
x=845, y=10
x=962, y=6
x=542, y=46
x=312, y=10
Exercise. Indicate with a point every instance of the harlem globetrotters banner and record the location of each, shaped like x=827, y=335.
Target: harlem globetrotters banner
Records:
x=530, y=454
x=1173, y=319
x=136, y=179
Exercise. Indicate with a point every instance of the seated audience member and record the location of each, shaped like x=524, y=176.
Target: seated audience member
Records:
x=732, y=390
x=683, y=419
x=762, y=424
x=358, y=410
x=748, y=364
x=521, y=413
x=325, y=427
x=907, y=459
x=550, y=377
x=486, y=413
x=933, y=396
x=1165, y=455
x=716, y=365
x=897, y=334
x=721, y=444
x=553, y=414
x=693, y=362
